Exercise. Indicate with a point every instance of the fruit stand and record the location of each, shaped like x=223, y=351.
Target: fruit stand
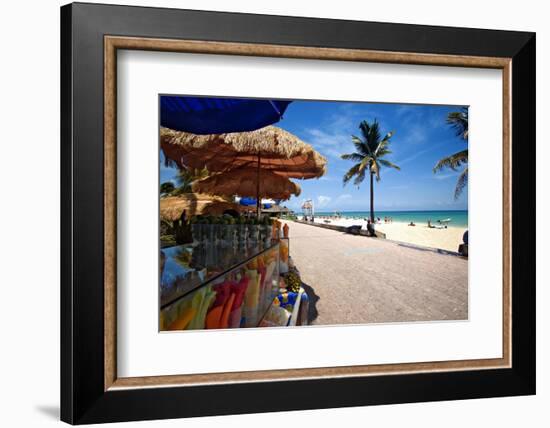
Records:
x=235, y=274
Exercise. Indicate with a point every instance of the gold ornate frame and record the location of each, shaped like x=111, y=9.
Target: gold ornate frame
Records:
x=114, y=43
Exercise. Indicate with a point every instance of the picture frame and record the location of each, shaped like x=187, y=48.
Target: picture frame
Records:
x=91, y=391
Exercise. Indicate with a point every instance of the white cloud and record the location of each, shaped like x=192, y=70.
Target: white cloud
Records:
x=343, y=197
x=412, y=157
x=333, y=137
x=323, y=201
x=415, y=134
x=445, y=176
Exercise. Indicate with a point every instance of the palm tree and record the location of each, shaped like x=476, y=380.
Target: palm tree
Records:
x=369, y=155
x=458, y=120
x=186, y=176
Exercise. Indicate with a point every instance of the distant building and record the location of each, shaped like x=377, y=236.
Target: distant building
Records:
x=308, y=210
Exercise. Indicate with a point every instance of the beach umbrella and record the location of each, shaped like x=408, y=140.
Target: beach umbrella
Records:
x=172, y=207
x=269, y=148
x=247, y=201
x=247, y=182
x=253, y=201
x=275, y=209
x=205, y=115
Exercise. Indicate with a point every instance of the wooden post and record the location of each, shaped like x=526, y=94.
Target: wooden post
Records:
x=258, y=201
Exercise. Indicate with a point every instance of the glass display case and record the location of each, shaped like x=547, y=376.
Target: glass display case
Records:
x=219, y=281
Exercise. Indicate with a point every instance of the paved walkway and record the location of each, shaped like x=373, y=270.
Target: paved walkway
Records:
x=354, y=279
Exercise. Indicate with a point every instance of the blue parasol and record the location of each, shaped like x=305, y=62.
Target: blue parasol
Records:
x=247, y=201
x=202, y=115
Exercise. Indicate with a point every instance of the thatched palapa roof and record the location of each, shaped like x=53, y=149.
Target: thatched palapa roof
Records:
x=244, y=182
x=172, y=207
x=276, y=209
x=279, y=151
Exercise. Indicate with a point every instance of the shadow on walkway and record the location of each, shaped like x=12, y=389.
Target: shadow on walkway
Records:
x=313, y=299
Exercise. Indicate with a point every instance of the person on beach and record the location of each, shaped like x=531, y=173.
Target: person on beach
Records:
x=412, y=224
x=370, y=228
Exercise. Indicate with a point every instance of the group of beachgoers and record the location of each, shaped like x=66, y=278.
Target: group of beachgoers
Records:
x=338, y=216
x=387, y=220
x=441, y=224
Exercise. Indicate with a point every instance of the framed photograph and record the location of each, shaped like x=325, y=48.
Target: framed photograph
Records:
x=274, y=213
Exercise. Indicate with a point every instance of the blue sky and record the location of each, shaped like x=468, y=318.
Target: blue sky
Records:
x=421, y=137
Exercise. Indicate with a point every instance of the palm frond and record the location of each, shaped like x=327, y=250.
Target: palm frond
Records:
x=389, y=164
x=461, y=183
x=453, y=161
x=352, y=156
x=375, y=169
x=364, y=126
x=383, y=152
x=351, y=173
x=371, y=135
x=359, y=177
x=459, y=122
x=384, y=143
x=360, y=145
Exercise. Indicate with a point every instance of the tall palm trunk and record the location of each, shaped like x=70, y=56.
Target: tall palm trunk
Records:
x=371, y=197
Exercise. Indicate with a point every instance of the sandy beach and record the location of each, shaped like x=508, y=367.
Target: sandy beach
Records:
x=446, y=239
x=355, y=279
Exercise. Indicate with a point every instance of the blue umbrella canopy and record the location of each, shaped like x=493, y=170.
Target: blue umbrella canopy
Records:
x=203, y=116
x=246, y=201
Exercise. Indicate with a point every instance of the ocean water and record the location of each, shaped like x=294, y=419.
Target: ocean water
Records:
x=458, y=218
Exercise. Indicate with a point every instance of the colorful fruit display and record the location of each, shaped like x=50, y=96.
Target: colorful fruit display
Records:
x=293, y=281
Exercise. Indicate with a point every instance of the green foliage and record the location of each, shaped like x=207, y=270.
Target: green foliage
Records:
x=458, y=120
x=185, y=179
x=293, y=281
x=167, y=187
x=167, y=241
x=289, y=217
x=166, y=227
x=370, y=153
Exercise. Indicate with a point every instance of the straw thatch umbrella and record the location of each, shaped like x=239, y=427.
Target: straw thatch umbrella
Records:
x=172, y=207
x=248, y=182
x=271, y=148
x=276, y=209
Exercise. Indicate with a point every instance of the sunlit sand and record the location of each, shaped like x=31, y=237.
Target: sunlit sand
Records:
x=447, y=239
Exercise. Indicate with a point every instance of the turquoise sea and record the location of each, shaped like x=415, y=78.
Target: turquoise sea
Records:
x=458, y=218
